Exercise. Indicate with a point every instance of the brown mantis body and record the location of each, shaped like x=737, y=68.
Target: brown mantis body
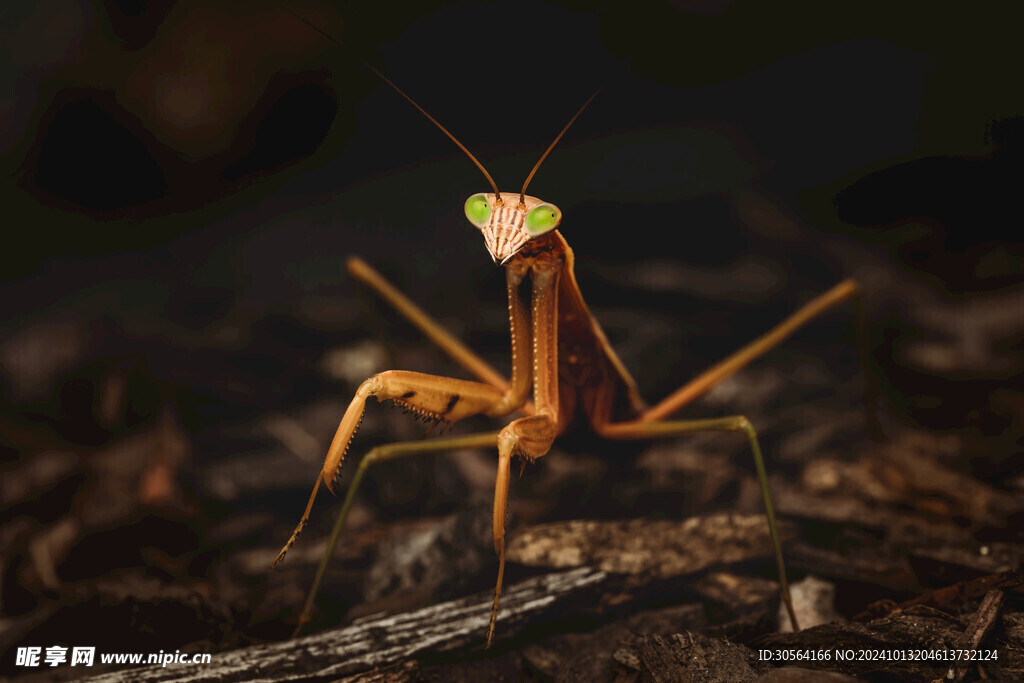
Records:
x=561, y=354
x=560, y=359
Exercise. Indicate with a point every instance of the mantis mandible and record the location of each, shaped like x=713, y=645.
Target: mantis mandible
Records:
x=564, y=372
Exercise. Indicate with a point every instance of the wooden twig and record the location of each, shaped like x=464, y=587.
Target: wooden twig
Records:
x=980, y=624
x=377, y=642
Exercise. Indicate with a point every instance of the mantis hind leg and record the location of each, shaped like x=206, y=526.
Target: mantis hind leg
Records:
x=381, y=454
x=845, y=291
x=651, y=423
x=735, y=423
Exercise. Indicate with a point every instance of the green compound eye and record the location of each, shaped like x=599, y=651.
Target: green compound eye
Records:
x=478, y=210
x=542, y=219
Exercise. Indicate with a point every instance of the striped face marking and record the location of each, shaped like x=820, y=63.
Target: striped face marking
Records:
x=508, y=225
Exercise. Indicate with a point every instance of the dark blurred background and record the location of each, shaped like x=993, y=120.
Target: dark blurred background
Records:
x=185, y=181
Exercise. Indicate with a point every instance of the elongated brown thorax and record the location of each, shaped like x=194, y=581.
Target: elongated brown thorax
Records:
x=591, y=386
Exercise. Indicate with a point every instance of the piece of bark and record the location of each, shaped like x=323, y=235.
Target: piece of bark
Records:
x=846, y=507
x=402, y=672
x=909, y=468
x=981, y=624
x=383, y=641
x=876, y=568
x=950, y=595
x=687, y=657
x=434, y=558
x=907, y=471
x=738, y=607
x=646, y=547
x=575, y=657
x=933, y=563
x=919, y=628
x=737, y=595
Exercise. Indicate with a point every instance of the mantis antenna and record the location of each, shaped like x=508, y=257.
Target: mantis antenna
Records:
x=522, y=192
x=413, y=102
x=380, y=74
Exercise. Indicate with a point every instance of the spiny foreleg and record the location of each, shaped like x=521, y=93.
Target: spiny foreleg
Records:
x=431, y=397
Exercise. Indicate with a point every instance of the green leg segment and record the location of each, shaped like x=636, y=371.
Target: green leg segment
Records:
x=736, y=423
x=380, y=454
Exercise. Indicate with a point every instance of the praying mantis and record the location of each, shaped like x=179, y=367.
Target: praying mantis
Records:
x=564, y=373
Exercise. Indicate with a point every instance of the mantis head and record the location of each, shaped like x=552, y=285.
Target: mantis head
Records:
x=508, y=220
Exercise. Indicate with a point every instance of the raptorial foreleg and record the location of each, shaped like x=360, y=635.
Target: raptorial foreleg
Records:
x=432, y=397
